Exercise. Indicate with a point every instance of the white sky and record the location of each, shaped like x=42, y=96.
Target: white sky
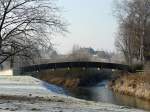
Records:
x=91, y=25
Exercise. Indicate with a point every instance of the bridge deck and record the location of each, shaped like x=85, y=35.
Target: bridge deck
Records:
x=74, y=64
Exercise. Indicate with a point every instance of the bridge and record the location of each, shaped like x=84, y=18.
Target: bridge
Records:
x=69, y=65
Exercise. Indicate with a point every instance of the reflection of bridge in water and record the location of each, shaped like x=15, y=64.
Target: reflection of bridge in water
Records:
x=69, y=65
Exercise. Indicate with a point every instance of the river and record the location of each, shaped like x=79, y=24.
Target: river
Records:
x=101, y=92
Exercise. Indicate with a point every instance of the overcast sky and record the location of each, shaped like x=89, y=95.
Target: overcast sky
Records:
x=91, y=25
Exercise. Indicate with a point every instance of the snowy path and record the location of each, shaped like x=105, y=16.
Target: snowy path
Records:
x=27, y=94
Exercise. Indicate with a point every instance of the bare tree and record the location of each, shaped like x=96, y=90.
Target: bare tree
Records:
x=26, y=25
x=134, y=23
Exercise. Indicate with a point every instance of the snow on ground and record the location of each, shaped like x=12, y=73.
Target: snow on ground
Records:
x=27, y=94
x=23, y=85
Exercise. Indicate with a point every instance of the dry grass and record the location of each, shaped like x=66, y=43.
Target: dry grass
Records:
x=74, y=77
x=62, y=81
x=133, y=84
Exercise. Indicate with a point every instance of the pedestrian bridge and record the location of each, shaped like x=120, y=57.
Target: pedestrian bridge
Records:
x=69, y=65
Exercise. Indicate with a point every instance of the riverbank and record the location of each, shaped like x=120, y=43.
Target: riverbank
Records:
x=27, y=94
x=137, y=84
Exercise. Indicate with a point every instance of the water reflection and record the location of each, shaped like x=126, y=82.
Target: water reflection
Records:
x=102, y=93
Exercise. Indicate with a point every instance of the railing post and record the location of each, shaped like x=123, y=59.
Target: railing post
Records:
x=98, y=69
x=68, y=68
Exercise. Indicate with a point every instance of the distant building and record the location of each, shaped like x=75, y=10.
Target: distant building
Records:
x=5, y=69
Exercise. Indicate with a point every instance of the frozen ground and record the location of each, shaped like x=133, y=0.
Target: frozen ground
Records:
x=27, y=94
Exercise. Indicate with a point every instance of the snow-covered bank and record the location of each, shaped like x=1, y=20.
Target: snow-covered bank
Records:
x=26, y=85
x=44, y=97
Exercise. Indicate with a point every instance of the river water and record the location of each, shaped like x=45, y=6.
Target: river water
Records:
x=101, y=92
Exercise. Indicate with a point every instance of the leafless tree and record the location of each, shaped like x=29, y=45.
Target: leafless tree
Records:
x=26, y=26
x=133, y=17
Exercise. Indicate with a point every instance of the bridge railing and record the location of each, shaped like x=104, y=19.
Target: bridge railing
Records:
x=83, y=64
